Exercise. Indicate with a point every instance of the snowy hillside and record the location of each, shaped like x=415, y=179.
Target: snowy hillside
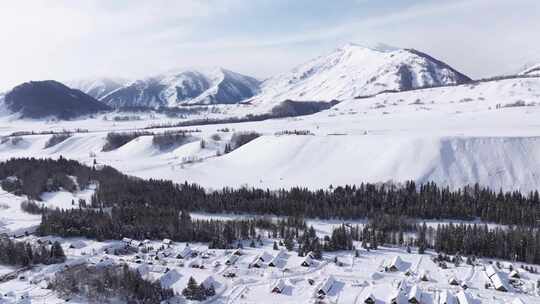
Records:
x=485, y=132
x=97, y=87
x=354, y=70
x=185, y=87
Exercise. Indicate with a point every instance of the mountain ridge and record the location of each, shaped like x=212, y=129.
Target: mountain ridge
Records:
x=188, y=86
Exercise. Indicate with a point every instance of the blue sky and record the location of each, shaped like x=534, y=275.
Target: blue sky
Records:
x=66, y=39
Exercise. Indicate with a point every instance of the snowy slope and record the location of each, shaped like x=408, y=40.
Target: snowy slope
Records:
x=97, y=87
x=485, y=132
x=183, y=87
x=354, y=70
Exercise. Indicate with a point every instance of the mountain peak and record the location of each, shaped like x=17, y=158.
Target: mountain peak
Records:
x=41, y=99
x=531, y=70
x=356, y=70
x=378, y=47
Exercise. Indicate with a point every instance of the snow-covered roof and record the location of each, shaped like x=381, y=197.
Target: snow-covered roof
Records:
x=367, y=295
x=169, y=278
x=194, y=262
x=514, y=274
x=395, y=263
x=394, y=295
x=231, y=259
x=278, y=285
x=186, y=252
x=256, y=262
x=498, y=282
x=167, y=241
x=445, y=297
x=308, y=260
x=278, y=256
x=266, y=257
x=463, y=297
x=490, y=271
x=453, y=280
x=126, y=240
x=415, y=293
x=209, y=281
x=327, y=285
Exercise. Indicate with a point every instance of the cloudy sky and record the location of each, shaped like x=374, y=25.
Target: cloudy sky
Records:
x=129, y=38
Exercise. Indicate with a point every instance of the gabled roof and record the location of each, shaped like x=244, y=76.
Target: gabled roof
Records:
x=396, y=263
x=446, y=297
x=490, y=271
x=498, y=282
x=327, y=285
x=278, y=257
x=308, y=260
x=278, y=285
x=463, y=297
x=209, y=281
x=366, y=295
x=514, y=274
x=415, y=293
x=185, y=252
x=172, y=276
x=453, y=280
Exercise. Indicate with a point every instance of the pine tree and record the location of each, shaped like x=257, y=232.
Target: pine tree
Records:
x=193, y=291
x=57, y=253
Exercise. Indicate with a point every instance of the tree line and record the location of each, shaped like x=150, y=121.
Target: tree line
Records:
x=427, y=201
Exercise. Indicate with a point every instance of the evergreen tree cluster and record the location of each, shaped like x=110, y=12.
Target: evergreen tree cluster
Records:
x=15, y=253
x=427, y=201
x=170, y=139
x=115, y=140
x=158, y=223
x=197, y=292
x=55, y=139
x=510, y=243
x=100, y=284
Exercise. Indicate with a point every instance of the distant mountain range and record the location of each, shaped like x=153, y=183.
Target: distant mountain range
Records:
x=175, y=88
x=349, y=72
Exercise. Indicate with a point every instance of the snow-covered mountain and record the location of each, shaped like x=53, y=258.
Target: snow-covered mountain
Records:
x=98, y=87
x=355, y=70
x=532, y=70
x=185, y=87
x=49, y=98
